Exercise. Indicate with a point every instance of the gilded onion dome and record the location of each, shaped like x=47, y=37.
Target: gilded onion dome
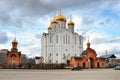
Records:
x=70, y=22
x=60, y=17
x=14, y=41
x=50, y=26
x=88, y=43
x=54, y=21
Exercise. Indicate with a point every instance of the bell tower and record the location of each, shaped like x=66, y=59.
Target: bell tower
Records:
x=14, y=44
x=13, y=56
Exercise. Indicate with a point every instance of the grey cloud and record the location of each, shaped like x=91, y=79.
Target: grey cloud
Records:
x=3, y=37
x=115, y=40
x=99, y=40
x=104, y=40
x=107, y=21
x=33, y=9
x=114, y=50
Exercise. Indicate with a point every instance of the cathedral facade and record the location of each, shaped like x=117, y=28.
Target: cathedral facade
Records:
x=61, y=42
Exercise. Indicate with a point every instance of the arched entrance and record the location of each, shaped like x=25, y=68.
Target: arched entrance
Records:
x=83, y=65
x=91, y=63
x=98, y=65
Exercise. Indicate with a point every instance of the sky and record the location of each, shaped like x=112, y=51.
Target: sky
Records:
x=28, y=19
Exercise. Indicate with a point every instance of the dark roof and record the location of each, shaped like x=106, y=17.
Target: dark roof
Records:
x=108, y=56
x=101, y=58
x=37, y=57
x=78, y=58
x=86, y=51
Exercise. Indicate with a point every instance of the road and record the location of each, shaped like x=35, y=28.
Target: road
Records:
x=86, y=74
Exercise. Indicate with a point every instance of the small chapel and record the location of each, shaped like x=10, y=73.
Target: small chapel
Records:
x=88, y=59
x=13, y=56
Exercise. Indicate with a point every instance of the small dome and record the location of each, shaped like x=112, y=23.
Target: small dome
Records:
x=50, y=27
x=70, y=23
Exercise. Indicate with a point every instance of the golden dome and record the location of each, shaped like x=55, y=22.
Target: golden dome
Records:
x=14, y=41
x=50, y=27
x=88, y=43
x=60, y=17
x=54, y=21
x=70, y=23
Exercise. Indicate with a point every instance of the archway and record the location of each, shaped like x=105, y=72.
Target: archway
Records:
x=91, y=63
x=98, y=65
x=83, y=64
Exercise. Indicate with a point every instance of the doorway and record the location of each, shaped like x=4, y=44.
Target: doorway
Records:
x=83, y=64
x=98, y=65
x=91, y=63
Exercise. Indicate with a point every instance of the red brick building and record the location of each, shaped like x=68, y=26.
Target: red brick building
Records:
x=13, y=56
x=88, y=59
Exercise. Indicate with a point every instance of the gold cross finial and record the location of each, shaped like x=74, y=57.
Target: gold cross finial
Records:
x=60, y=12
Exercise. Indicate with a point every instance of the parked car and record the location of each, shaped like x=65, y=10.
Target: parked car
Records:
x=117, y=67
x=77, y=68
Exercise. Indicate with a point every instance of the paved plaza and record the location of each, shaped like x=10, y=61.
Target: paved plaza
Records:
x=37, y=74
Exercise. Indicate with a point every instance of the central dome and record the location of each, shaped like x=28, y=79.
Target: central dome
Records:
x=60, y=17
x=54, y=21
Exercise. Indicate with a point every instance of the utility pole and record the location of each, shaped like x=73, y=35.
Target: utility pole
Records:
x=106, y=55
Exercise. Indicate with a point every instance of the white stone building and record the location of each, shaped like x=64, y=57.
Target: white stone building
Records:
x=61, y=42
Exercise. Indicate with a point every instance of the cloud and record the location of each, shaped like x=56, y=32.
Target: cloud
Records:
x=20, y=13
x=3, y=37
x=30, y=18
x=104, y=40
x=117, y=39
x=107, y=21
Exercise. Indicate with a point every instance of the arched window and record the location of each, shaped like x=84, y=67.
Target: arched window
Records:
x=64, y=39
x=13, y=55
x=80, y=41
x=68, y=39
x=56, y=54
x=56, y=61
x=75, y=39
x=102, y=64
x=50, y=54
x=50, y=39
x=75, y=54
x=56, y=38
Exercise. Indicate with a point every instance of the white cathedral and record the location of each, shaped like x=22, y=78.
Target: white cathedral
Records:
x=61, y=42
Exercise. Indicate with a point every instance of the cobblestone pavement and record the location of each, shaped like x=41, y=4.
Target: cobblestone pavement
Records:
x=86, y=74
